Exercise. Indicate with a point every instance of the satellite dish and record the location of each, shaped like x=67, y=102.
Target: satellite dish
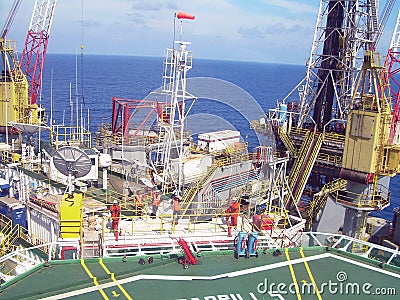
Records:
x=72, y=162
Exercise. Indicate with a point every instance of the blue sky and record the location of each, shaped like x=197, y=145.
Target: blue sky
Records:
x=279, y=31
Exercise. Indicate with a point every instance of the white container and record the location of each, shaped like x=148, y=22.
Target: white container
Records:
x=218, y=140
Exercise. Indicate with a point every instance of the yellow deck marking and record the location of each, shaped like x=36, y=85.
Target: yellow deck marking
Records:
x=293, y=275
x=94, y=279
x=234, y=274
x=310, y=274
x=113, y=279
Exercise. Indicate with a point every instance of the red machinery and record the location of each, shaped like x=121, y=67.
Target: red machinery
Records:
x=123, y=110
x=188, y=255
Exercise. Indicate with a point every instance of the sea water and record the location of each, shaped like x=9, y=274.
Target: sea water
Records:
x=231, y=93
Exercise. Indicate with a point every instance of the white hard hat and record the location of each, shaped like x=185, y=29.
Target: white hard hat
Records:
x=115, y=202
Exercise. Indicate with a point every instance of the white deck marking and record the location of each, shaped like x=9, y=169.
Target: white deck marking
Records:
x=363, y=265
x=187, y=278
x=219, y=276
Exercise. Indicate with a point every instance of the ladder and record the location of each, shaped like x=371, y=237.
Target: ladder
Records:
x=303, y=165
x=319, y=199
x=196, y=186
x=287, y=142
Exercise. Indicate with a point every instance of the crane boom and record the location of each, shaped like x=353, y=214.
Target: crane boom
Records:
x=35, y=47
x=392, y=65
x=10, y=18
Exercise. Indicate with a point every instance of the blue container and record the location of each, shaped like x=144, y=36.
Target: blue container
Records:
x=282, y=113
x=4, y=190
x=13, y=210
x=18, y=216
x=252, y=244
x=240, y=244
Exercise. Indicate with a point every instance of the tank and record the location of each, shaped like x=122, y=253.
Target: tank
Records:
x=282, y=113
x=240, y=244
x=252, y=244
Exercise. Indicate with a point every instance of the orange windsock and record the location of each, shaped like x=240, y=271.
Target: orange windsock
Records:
x=183, y=15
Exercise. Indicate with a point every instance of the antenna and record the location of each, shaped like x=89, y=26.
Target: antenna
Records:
x=72, y=162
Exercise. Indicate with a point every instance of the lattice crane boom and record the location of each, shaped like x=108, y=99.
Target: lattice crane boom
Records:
x=35, y=48
x=392, y=67
x=383, y=18
x=10, y=18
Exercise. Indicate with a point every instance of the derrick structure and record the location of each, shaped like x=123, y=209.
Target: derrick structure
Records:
x=322, y=139
x=343, y=30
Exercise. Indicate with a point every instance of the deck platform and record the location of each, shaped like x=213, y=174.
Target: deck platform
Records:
x=273, y=275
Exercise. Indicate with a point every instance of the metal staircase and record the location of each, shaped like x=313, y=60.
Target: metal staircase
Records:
x=303, y=165
x=191, y=191
x=287, y=142
x=319, y=199
x=217, y=186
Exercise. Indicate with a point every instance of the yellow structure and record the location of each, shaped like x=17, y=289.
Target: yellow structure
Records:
x=14, y=106
x=366, y=148
x=71, y=216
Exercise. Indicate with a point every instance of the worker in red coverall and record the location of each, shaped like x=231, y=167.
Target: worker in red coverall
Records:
x=115, y=210
x=176, y=206
x=232, y=214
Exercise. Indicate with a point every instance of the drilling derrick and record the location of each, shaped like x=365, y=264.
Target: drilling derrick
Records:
x=342, y=32
x=328, y=72
x=320, y=131
x=391, y=78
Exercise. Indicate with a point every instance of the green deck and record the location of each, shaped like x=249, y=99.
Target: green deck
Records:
x=218, y=276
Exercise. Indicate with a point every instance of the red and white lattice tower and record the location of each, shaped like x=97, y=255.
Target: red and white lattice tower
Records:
x=392, y=67
x=34, y=52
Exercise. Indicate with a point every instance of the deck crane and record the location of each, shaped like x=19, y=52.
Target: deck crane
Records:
x=13, y=84
x=37, y=38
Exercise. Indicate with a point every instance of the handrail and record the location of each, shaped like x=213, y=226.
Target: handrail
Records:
x=304, y=163
x=288, y=142
x=345, y=243
x=379, y=199
x=319, y=199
